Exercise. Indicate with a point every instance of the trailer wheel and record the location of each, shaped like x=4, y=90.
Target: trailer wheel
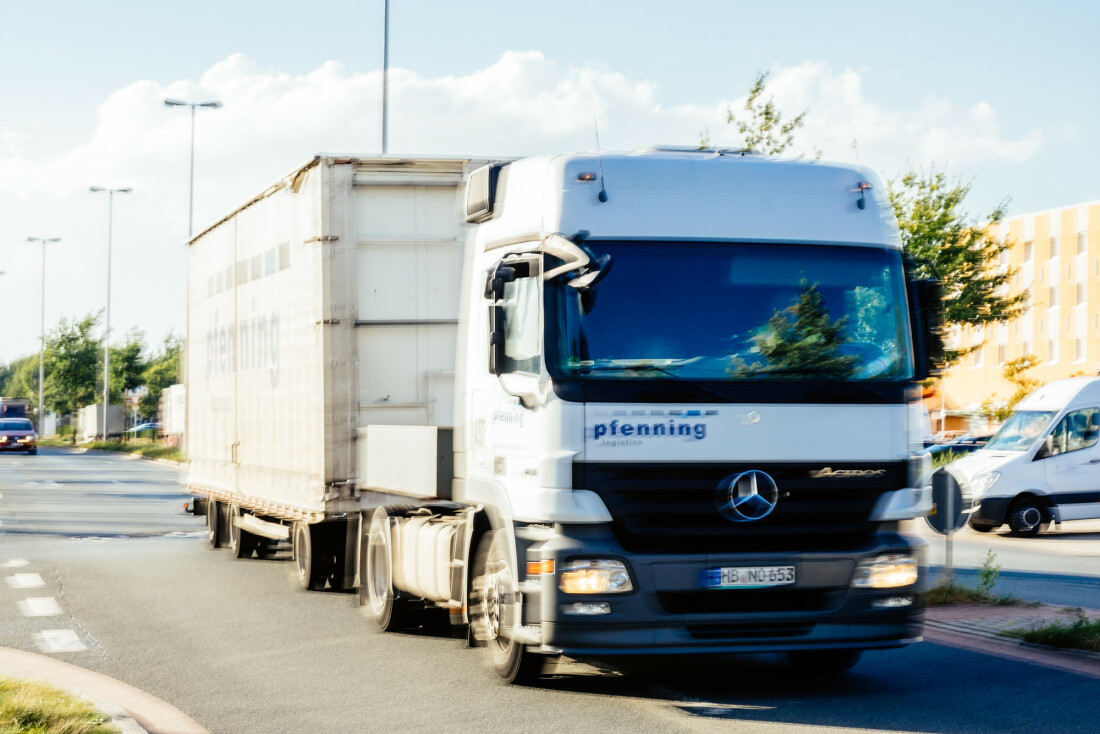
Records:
x=495, y=611
x=241, y=542
x=376, y=593
x=212, y=529
x=312, y=570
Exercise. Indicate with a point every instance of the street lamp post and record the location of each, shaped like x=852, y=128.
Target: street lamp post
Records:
x=42, y=334
x=212, y=104
x=107, y=332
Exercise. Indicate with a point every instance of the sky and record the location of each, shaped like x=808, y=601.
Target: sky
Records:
x=1000, y=95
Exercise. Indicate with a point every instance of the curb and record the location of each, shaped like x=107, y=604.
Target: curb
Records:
x=134, y=711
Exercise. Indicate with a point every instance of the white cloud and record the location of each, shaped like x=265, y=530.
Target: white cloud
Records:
x=522, y=104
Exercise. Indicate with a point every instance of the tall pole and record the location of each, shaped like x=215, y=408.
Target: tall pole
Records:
x=213, y=104
x=42, y=334
x=385, y=72
x=107, y=331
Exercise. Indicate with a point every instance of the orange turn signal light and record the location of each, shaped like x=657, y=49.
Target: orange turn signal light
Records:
x=534, y=568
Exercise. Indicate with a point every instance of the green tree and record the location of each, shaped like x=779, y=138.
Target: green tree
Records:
x=20, y=378
x=72, y=365
x=127, y=366
x=762, y=127
x=1015, y=371
x=802, y=339
x=937, y=232
x=162, y=371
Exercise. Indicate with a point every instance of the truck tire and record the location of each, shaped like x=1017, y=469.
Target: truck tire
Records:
x=825, y=661
x=389, y=611
x=241, y=542
x=213, y=532
x=494, y=611
x=310, y=562
x=1026, y=517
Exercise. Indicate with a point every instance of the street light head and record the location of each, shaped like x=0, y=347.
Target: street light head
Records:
x=174, y=103
x=215, y=104
x=54, y=239
x=126, y=190
x=96, y=188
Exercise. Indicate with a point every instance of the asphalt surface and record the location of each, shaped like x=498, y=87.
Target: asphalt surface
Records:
x=138, y=595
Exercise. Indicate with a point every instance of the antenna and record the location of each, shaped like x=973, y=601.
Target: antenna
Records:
x=855, y=148
x=599, y=157
x=385, y=72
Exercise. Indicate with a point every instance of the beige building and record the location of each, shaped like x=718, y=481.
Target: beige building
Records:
x=1056, y=256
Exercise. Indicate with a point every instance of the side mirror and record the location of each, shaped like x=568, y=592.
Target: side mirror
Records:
x=928, y=334
x=1046, y=450
x=496, y=340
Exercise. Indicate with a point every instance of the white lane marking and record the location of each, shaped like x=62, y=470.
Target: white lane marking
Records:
x=58, y=641
x=39, y=606
x=15, y=563
x=25, y=581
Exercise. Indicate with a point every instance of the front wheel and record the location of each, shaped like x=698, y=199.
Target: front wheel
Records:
x=213, y=532
x=495, y=612
x=310, y=563
x=825, y=661
x=32, y=452
x=1026, y=517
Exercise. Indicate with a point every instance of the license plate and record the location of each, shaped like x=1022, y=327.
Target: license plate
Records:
x=748, y=577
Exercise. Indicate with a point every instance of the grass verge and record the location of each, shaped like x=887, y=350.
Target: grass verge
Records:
x=1080, y=634
x=948, y=590
x=148, y=450
x=27, y=707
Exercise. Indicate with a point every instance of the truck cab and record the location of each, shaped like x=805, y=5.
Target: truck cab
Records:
x=686, y=404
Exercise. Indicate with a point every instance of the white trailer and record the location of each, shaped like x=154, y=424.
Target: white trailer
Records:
x=401, y=365
x=90, y=422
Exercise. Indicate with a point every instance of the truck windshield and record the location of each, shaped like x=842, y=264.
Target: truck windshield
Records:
x=1020, y=430
x=733, y=311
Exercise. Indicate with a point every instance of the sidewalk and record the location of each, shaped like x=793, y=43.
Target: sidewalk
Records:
x=132, y=710
x=976, y=626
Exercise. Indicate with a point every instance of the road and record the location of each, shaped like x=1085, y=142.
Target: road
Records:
x=136, y=593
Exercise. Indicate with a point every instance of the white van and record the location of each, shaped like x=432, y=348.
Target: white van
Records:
x=1043, y=465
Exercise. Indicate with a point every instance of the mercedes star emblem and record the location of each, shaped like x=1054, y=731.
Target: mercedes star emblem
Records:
x=748, y=496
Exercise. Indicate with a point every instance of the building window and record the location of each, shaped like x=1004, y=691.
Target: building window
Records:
x=1082, y=243
x=1004, y=258
x=1053, y=296
x=978, y=357
x=1052, y=350
x=1028, y=247
x=1002, y=353
x=1026, y=349
x=1079, y=350
x=1054, y=246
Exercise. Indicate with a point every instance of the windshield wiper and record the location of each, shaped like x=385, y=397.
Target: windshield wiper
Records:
x=643, y=366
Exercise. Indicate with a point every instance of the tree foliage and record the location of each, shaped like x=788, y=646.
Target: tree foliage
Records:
x=762, y=127
x=127, y=366
x=945, y=244
x=162, y=371
x=72, y=364
x=1016, y=372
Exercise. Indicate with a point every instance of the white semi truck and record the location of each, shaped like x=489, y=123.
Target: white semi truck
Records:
x=643, y=403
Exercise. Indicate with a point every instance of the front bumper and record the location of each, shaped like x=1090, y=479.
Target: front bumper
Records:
x=992, y=511
x=670, y=612
x=18, y=446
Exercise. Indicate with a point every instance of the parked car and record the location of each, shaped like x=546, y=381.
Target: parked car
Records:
x=17, y=434
x=962, y=445
x=143, y=427
x=1041, y=467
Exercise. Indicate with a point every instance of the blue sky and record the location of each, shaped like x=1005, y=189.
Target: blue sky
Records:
x=1000, y=94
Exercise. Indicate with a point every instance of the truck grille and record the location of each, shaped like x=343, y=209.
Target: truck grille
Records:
x=672, y=508
x=750, y=601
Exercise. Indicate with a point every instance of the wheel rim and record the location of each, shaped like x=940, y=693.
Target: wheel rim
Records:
x=234, y=530
x=300, y=553
x=211, y=520
x=378, y=576
x=1031, y=517
x=496, y=594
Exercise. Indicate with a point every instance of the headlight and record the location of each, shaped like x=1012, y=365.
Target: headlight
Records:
x=3, y=438
x=983, y=482
x=595, y=577
x=886, y=572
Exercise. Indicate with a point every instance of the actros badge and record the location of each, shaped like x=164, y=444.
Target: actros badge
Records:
x=747, y=496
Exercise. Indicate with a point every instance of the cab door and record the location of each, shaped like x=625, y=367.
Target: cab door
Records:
x=1073, y=465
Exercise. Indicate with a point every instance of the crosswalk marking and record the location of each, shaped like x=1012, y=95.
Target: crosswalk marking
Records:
x=39, y=606
x=14, y=563
x=25, y=581
x=58, y=641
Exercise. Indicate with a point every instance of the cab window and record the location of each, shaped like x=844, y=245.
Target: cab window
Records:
x=1077, y=430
